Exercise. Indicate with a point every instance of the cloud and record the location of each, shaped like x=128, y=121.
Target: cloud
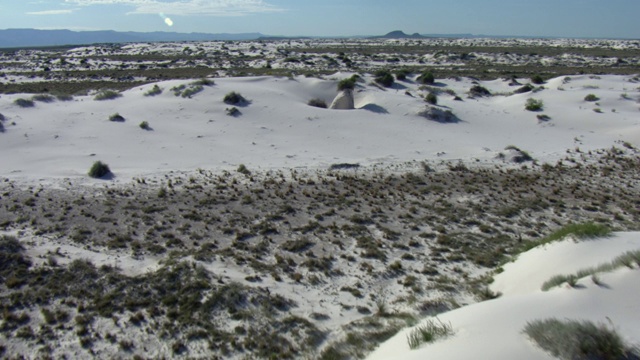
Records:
x=51, y=12
x=189, y=7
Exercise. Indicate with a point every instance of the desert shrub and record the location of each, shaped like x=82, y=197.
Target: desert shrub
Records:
x=348, y=83
x=571, y=339
x=299, y=245
x=144, y=125
x=319, y=103
x=543, y=117
x=402, y=74
x=234, y=98
x=107, y=95
x=155, y=90
x=233, y=111
x=533, y=105
x=524, y=89
x=477, y=90
x=192, y=90
x=581, y=231
x=64, y=97
x=537, y=79
x=384, y=78
x=591, y=97
x=24, y=103
x=45, y=98
x=116, y=118
x=99, y=170
x=426, y=78
x=431, y=331
x=242, y=169
x=431, y=98
x=204, y=82
x=2, y=117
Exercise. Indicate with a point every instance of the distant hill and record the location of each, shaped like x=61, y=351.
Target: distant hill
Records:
x=398, y=34
x=18, y=38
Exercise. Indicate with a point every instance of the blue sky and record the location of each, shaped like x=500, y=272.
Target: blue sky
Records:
x=568, y=18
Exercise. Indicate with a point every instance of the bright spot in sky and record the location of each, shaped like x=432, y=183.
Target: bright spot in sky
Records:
x=166, y=19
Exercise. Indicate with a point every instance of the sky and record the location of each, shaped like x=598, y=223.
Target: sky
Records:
x=561, y=18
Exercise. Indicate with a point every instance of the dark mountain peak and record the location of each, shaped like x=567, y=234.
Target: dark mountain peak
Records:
x=399, y=34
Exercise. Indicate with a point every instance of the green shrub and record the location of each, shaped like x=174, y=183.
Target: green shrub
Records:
x=384, y=78
x=107, y=95
x=591, y=97
x=431, y=98
x=204, y=82
x=234, y=98
x=233, y=111
x=571, y=339
x=145, y=125
x=319, y=103
x=192, y=90
x=537, y=79
x=348, y=83
x=402, y=74
x=243, y=170
x=45, y=98
x=116, y=118
x=429, y=332
x=581, y=231
x=524, y=89
x=477, y=90
x=155, y=90
x=426, y=78
x=533, y=105
x=24, y=103
x=64, y=97
x=99, y=170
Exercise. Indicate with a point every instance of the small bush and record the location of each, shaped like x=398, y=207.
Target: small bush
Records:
x=537, y=79
x=64, y=97
x=572, y=339
x=45, y=98
x=116, y=118
x=145, y=125
x=107, y=95
x=429, y=332
x=432, y=98
x=591, y=98
x=243, y=170
x=426, y=78
x=233, y=111
x=402, y=74
x=319, y=103
x=384, y=78
x=24, y=103
x=155, y=90
x=543, y=117
x=204, y=82
x=234, y=98
x=477, y=90
x=99, y=170
x=533, y=105
x=524, y=89
x=348, y=83
x=192, y=90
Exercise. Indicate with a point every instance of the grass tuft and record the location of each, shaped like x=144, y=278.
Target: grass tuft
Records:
x=570, y=340
x=431, y=331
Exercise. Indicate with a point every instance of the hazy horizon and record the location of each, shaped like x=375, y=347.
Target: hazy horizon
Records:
x=543, y=18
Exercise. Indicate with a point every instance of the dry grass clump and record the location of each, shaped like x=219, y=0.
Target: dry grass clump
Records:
x=572, y=339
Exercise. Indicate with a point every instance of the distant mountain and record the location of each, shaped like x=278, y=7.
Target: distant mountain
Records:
x=18, y=38
x=398, y=34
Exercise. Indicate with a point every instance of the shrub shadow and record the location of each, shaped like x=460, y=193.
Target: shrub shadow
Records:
x=375, y=108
